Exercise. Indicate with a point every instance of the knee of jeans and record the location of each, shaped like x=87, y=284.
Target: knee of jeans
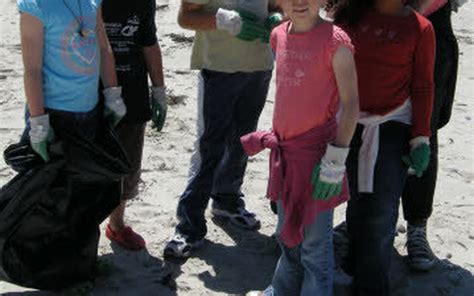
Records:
x=317, y=256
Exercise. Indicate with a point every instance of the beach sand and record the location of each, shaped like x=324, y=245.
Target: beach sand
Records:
x=233, y=262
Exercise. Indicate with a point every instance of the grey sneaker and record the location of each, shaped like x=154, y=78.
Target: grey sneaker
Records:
x=420, y=255
x=241, y=217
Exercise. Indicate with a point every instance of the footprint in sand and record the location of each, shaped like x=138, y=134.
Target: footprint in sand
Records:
x=181, y=38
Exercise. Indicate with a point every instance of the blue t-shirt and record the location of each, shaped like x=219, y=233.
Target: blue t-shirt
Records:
x=70, y=61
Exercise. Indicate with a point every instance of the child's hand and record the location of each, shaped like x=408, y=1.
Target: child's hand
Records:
x=159, y=107
x=114, y=108
x=40, y=134
x=328, y=175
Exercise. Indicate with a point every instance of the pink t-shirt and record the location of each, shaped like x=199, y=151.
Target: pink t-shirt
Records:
x=306, y=89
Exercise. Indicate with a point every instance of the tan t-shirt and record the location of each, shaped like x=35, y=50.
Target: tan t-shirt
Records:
x=218, y=50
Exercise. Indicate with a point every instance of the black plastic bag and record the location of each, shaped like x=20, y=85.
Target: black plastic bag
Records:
x=21, y=157
x=50, y=213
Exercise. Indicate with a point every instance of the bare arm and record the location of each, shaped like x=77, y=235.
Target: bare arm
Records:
x=154, y=64
x=32, y=32
x=192, y=16
x=107, y=62
x=346, y=78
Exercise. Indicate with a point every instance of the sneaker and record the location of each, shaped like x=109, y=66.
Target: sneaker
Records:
x=179, y=246
x=126, y=238
x=254, y=293
x=268, y=292
x=420, y=255
x=241, y=217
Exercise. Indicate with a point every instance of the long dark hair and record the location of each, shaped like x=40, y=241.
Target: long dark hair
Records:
x=349, y=12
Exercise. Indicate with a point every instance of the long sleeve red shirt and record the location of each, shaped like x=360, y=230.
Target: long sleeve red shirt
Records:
x=395, y=61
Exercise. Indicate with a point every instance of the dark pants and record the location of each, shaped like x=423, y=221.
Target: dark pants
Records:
x=419, y=192
x=372, y=217
x=229, y=105
x=132, y=137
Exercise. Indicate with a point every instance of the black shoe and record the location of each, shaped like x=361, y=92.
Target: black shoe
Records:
x=420, y=255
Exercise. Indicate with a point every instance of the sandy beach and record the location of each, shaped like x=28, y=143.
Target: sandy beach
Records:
x=234, y=262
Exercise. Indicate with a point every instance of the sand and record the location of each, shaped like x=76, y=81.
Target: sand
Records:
x=233, y=262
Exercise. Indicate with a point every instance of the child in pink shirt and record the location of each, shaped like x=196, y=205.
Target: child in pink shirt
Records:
x=316, y=78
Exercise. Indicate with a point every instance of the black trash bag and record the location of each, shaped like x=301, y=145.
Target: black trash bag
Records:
x=21, y=157
x=50, y=214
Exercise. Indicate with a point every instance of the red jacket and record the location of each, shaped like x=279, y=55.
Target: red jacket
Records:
x=291, y=166
x=394, y=57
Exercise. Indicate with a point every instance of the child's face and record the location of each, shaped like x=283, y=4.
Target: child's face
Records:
x=301, y=10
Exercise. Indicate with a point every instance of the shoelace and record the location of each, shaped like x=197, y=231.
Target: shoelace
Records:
x=417, y=244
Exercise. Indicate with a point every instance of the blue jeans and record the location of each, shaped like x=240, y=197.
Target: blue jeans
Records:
x=308, y=268
x=372, y=217
x=229, y=105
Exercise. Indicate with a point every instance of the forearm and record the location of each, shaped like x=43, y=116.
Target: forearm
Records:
x=196, y=19
x=107, y=62
x=32, y=34
x=107, y=68
x=347, y=123
x=422, y=85
x=346, y=78
x=154, y=64
x=422, y=107
x=33, y=82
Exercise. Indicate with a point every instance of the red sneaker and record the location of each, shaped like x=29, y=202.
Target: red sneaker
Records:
x=126, y=238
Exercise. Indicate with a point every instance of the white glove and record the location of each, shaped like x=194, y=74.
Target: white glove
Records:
x=333, y=164
x=329, y=173
x=229, y=20
x=40, y=132
x=114, y=105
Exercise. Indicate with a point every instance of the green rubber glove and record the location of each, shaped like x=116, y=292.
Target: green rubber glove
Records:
x=270, y=23
x=324, y=190
x=273, y=20
x=40, y=134
x=159, y=107
x=418, y=159
x=251, y=29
